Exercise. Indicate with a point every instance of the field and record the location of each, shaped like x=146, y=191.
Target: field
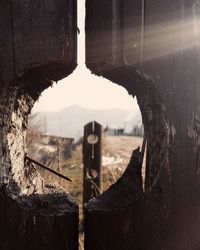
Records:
x=116, y=153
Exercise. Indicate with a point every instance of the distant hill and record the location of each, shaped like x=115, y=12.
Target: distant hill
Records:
x=69, y=121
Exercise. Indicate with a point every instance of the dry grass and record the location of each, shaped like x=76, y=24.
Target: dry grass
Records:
x=119, y=148
x=116, y=152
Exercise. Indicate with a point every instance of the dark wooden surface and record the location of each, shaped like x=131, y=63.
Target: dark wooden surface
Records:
x=38, y=42
x=37, y=46
x=49, y=225
x=106, y=230
x=91, y=161
x=166, y=84
x=109, y=218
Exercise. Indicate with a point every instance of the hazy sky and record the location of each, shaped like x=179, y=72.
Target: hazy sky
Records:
x=82, y=88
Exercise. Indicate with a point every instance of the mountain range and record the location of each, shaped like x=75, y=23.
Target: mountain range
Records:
x=69, y=122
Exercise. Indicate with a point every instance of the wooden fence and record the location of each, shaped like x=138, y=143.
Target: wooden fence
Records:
x=92, y=160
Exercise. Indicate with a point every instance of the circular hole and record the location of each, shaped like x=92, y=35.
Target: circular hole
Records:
x=92, y=175
x=92, y=139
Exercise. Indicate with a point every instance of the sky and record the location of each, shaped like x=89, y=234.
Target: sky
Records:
x=82, y=87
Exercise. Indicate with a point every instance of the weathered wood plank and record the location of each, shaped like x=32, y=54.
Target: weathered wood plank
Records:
x=91, y=160
x=38, y=41
x=109, y=217
x=171, y=60
x=42, y=222
x=7, y=70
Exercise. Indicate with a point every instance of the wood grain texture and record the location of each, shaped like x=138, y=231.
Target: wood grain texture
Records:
x=92, y=161
x=167, y=217
x=109, y=217
x=38, y=222
x=38, y=42
x=37, y=46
